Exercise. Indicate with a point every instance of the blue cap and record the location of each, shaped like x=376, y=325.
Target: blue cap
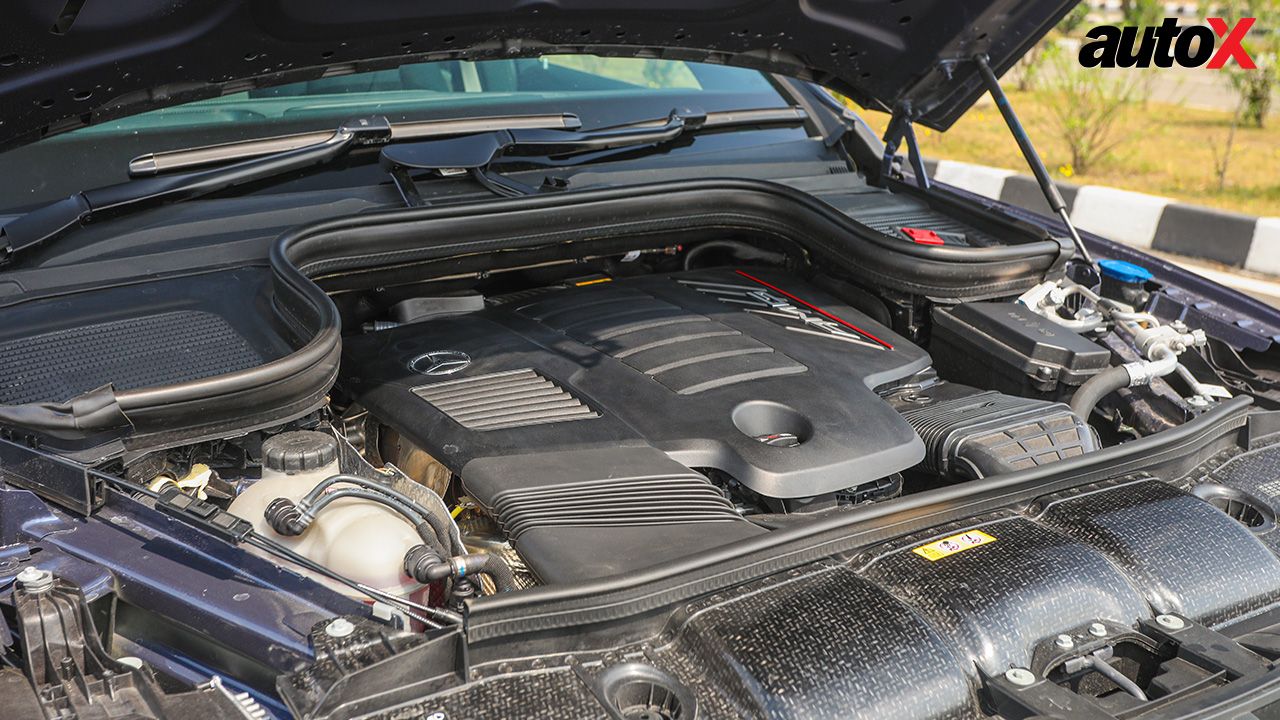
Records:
x=1125, y=272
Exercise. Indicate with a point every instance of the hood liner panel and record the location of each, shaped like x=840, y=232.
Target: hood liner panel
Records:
x=113, y=61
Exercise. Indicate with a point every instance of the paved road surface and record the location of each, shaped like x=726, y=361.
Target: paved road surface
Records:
x=1262, y=287
x=1197, y=88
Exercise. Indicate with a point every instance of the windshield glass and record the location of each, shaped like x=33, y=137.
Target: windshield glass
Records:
x=601, y=91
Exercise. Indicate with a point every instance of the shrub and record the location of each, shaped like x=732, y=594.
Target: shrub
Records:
x=1089, y=107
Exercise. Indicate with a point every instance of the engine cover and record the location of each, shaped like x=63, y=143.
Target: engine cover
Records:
x=751, y=372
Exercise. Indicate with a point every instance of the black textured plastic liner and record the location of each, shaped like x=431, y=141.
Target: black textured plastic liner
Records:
x=132, y=353
x=70, y=364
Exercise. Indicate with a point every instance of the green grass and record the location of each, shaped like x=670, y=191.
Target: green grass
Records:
x=1164, y=150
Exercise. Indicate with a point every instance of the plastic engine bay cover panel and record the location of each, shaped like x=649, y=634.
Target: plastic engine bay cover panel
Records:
x=754, y=373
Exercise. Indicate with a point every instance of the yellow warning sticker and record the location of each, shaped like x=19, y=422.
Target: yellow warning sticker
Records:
x=939, y=549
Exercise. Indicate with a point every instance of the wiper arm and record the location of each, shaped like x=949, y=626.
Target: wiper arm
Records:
x=54, y=220
x=475, y=153
x=172, y=160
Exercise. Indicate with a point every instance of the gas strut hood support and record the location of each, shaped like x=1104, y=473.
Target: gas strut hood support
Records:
x=1047, y=187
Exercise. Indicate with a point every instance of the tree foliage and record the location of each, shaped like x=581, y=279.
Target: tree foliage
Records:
x=1256, y=86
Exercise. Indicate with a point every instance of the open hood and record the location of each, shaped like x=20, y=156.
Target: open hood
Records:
x=65, y=64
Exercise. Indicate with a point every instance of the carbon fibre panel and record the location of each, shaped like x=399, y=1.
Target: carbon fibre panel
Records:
x=892, y=634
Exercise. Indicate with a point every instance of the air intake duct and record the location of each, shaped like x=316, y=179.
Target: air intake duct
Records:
x=970, y=434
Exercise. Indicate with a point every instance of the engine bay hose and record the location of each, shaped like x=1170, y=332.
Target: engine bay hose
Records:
x=1096, y=388
x=738, y=249
x=313, y=500
x=1164, y=360
x=440, y=528
x=424, y=564
x=286, y=518
x=413, y=515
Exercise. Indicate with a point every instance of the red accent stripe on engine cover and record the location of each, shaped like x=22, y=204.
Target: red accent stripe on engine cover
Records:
x=814, y=308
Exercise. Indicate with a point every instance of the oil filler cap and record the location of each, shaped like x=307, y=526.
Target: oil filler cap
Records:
x=298, y=451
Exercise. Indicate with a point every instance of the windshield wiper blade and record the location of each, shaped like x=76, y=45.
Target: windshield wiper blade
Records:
x=171, y=160
x=475, y=153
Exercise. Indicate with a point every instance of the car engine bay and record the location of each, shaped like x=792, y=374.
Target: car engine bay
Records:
x=564, y=421
x=490, y=420
x=601, y=360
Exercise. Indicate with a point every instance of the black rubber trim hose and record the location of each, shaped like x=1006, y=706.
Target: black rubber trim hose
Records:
x=738, y=249
x=1096, y=388
x=646, y=214
x=93, y=410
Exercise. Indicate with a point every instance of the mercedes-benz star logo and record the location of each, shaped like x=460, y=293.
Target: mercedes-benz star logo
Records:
x=440, y=362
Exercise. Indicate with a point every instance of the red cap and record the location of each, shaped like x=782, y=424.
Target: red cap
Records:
x=923, y=237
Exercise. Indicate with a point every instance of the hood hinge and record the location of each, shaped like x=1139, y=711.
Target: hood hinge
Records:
x=900, y=129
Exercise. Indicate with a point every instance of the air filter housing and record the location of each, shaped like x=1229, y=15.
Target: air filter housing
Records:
x=970, y=434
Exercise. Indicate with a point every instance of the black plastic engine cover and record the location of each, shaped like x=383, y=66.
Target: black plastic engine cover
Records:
x=724, y=369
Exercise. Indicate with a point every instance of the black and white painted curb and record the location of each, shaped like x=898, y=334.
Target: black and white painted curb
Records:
x=1137, y=219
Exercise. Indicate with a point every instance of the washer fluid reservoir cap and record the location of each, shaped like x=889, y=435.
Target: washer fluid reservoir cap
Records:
x=1125, y=272
x=298, y=451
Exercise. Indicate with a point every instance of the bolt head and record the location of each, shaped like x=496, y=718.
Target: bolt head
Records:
x=339, y=628
x=33, y=579
x=1065, y=642
x=1170, y=622
x=1020, y=676
x=1098, y=629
